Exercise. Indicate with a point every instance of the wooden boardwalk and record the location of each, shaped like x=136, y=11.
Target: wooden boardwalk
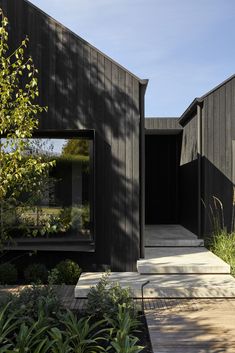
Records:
x=191, y=325
x=175, y=325
x=64, y=292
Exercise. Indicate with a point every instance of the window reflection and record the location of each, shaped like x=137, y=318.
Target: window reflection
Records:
x=61, y=209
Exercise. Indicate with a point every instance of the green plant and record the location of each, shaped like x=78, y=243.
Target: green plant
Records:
x=60, y=343
x=123, y=321
x=31, y=338
x=8, y=273
x=85, y=337
x=123, y=326
x=75, y=217
x=53, y=276
x=8, y=324
x=36, y=273
x=30, y=301
x=65, y=272
x=126, y=344
x=104, y=299
x=223, y=245
x=21, y=173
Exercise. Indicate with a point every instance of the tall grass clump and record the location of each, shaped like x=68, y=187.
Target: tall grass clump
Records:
x=221, y=242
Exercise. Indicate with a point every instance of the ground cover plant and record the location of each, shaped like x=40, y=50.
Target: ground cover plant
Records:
x=34, y=321
x=109, y=301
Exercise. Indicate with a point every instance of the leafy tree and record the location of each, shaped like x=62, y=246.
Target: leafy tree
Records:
x=76, y=147
x=20, y=172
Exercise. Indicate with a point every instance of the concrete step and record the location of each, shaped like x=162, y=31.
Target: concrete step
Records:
x=174, y=243
x=181, y=260
x=170, y=235
x=164, y=286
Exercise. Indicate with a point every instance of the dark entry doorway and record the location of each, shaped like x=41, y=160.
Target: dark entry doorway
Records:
x=162, y=179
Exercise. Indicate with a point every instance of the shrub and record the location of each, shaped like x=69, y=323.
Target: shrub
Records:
x=32, y=300
x=36, y=273
x=65, y=272
x=8, y=273
x=53, y=276
x=104, y=299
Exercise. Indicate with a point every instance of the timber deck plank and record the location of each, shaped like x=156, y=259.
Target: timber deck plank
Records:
x=191, y=325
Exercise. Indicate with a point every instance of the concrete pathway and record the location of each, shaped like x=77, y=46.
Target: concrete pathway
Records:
x=170, y=235
x=179, y=271
x=164, y=286
x=181, y=260
x=172, y=272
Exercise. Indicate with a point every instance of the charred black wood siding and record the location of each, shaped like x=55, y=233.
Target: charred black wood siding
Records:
x=162, y=124
x=218, y=117
x=84, y=89
x=189, y=176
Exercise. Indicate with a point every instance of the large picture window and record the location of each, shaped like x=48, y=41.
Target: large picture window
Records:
x=62, y=211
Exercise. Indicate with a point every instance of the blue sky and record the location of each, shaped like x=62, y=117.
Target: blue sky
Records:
x=184, y=47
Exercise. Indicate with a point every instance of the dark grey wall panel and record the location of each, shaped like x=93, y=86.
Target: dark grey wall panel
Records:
x=189, y=176
x=84, y=89
x=219, y=128
x=189, y=141
x=162, y=123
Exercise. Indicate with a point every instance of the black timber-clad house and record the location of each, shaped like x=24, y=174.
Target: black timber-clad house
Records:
x=196, y=163
x=87, y=92
x=131, y=171
x=209, y=142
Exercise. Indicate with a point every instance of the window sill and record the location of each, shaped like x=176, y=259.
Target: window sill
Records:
x=51, y=245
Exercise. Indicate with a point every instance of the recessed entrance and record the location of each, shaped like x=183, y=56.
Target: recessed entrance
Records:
x=162, y=153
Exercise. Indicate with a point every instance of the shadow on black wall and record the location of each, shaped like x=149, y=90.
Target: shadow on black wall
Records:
x=214, y=184
x=85, y=90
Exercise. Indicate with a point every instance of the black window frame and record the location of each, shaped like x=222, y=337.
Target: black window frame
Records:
x=48, y=244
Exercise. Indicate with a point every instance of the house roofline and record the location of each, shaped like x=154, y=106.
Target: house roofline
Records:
x=162, y=117
x=199, y=101
x=192, y=108
x=142, y=81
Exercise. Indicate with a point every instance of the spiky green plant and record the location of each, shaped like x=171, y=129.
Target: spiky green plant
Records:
x=126, y=344
x=8, y=324
x=85, y=336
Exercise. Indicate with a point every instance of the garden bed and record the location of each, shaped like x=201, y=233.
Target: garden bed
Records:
x=63, y=315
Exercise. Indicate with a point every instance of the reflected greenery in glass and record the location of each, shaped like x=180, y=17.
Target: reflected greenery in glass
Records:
x=61, y=205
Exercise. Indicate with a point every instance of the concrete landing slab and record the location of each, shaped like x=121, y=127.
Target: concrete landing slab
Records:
x=164, y=286
x=182, y=261
x=169, y=230
x=170, y=235
x=175, y=242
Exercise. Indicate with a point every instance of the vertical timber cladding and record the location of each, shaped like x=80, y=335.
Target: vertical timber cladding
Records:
x=189, y=175
x=84, y=89
x=219, y=130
